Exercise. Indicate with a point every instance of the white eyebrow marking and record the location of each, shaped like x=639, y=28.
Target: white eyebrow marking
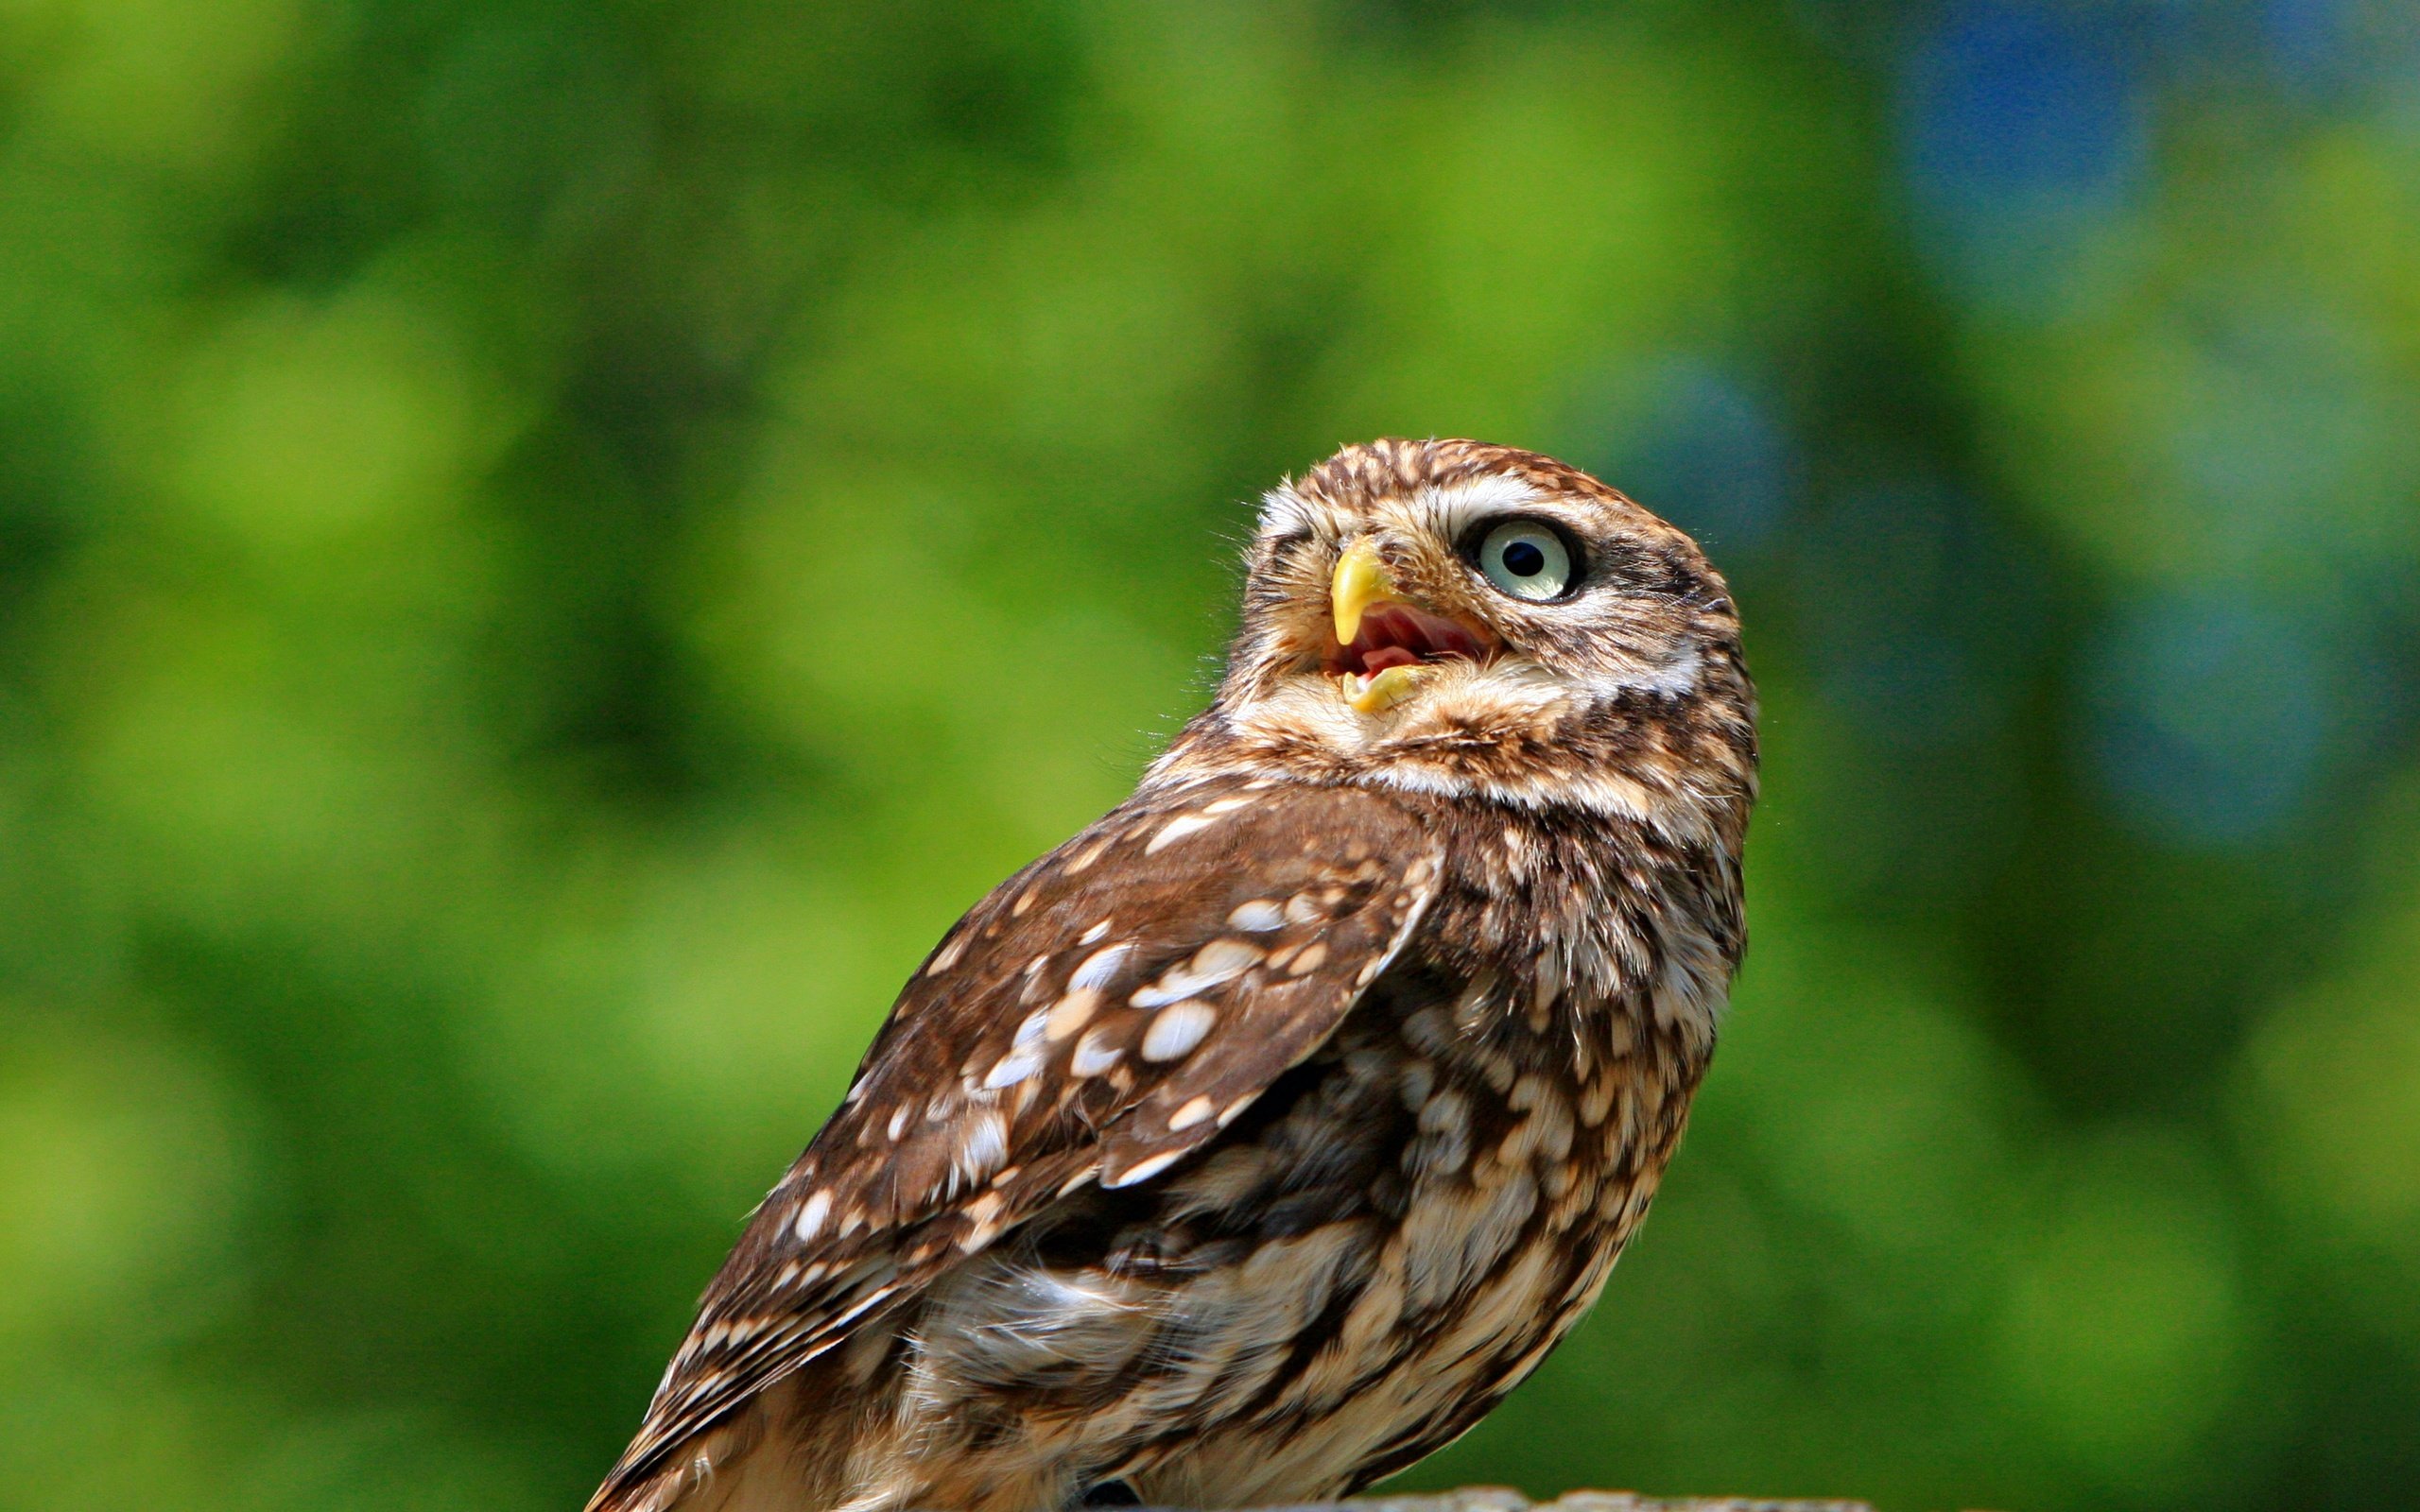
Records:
x=1451, y=508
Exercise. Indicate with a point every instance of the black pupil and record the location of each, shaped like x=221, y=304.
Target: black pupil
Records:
x=1524, y=560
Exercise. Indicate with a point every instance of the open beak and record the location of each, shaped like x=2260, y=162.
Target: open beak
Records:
x=1361, y=581
x=1384, y=646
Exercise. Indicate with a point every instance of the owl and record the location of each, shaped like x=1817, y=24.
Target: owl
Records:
x=1257, y=1141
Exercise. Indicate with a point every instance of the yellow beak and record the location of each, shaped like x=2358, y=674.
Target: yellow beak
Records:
x=1361, y=581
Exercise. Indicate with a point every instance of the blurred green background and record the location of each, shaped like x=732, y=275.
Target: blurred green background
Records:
x=548, y=549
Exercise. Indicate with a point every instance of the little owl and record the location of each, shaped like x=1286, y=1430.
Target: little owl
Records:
x=1255, y=1142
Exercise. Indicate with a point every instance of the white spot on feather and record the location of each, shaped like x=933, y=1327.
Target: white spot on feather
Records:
x=1095, y=1053
x=811, y=1215
x=1225, y=958
x=1260, y=916
x=1177, y=829
x=1070, y=1014
x=1100, y=967
x=1014, y=1068
x=1142, y=1170
x=1029, y=1032
x=1214, y=965
x=1191, y=1114
x=1176, y=1029
x=983, y=1147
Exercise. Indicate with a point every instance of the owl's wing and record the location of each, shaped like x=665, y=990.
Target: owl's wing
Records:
x=1096, y=1017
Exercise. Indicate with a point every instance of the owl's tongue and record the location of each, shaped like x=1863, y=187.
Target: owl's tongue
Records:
x=1398, y=635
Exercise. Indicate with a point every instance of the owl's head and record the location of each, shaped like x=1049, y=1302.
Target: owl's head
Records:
x=1456, y=617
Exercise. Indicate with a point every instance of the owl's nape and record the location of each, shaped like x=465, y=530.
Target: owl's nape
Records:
x=1259, y=1139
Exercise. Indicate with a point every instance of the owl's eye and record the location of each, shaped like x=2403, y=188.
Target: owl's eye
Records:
x=1527, y=559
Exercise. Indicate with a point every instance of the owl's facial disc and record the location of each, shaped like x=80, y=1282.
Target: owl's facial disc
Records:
x=1453, y=617
x=1384, y=644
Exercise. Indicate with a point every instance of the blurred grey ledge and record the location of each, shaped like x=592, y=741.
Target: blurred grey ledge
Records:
x=1501, y=1499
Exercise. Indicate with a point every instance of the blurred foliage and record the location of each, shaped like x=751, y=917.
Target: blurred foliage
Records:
x=547, y=550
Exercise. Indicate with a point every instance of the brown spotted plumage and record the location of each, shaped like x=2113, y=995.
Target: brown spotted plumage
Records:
x=1255, y=1142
